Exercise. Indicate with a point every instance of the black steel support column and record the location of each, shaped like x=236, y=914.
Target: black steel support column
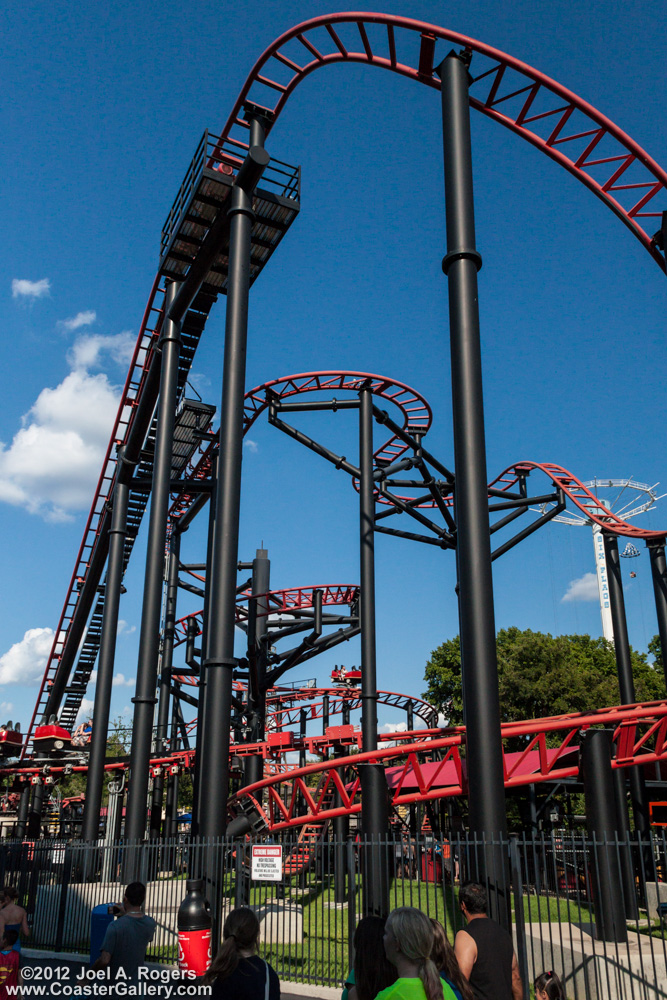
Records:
x=659, y=571
x=34, y=829
x=219, y=659
x=258, y=626
x=626, y=682
x=171, y=810
x=149, y=639
x=98, y=742
x=22, y=813
x=486, y=797
x=164, y=694
x=624, y=850
x=601, y=822
x=197, y=783
x=374, y=796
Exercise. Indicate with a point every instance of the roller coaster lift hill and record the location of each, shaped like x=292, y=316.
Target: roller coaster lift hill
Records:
x=235, y=206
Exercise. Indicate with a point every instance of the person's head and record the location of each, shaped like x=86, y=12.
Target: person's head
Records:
x=549, y=987
x=408, y=936
x=10, y=893
x=9, y=939
x=472, y=899
x=445, y=960
x=240, y=935
x=372, y=969
x=135, y=894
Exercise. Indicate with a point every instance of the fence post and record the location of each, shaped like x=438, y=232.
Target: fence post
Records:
x=62, y=906
x=519, y=918
x=351, y=901
x=241, y=898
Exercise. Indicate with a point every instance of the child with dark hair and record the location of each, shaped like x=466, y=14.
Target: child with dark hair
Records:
x=372, y=969
x=9, y=963
x=237, y=972
x=549, y=987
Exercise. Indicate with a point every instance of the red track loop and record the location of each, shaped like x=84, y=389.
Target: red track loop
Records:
x=282, y=602
x=288, y=601
x=640, y=737
x=416, y=412
x=565, y=127
x=284, y=708
x=580, y=496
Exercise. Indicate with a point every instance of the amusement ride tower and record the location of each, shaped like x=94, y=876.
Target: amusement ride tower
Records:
x=629, y=498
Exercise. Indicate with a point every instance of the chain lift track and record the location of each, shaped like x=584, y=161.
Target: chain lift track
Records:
x=550, y=117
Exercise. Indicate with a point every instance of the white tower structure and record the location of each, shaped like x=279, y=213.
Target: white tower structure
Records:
x=631, y=499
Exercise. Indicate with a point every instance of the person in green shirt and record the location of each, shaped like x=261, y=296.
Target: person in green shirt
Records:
x=408, y=942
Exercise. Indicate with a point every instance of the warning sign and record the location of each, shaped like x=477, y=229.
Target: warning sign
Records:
x=267, y=863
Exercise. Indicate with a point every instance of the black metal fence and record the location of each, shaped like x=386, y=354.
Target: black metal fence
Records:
x=595, y=912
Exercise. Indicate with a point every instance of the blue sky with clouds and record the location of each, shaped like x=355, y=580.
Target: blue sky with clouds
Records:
x=104, y=107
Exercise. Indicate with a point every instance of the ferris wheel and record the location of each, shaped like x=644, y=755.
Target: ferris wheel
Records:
x=626, y=498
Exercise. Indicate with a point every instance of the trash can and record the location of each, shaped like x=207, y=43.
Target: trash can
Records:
x=100, y=918
x=431, y=865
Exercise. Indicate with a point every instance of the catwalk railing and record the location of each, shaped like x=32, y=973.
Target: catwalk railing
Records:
x=554, y=888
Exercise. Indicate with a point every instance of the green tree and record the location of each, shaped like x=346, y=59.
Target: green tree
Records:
x=541, y=675
x=655, y=649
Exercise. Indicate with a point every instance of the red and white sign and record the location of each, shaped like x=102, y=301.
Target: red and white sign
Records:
x=267, y=863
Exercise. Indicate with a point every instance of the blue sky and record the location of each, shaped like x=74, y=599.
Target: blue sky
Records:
x=104, y=107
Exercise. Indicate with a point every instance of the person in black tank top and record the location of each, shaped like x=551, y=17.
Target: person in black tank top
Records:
x=485, y=951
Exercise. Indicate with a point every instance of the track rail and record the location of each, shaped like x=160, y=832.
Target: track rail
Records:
x=291, y=600
x=547, y=115
x=580, y=495
x=640, y=737
x=416, y=412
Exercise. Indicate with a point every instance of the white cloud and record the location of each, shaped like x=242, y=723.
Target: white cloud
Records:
x=395, y=727
x=252, y=446
x=22, y=288
x=75, y=322
x=25, y=661
x=52, y=465
x=119, y=680
x=583, y=589
x=124, y=628
x=85, y=711
x=89, y=350
x=6, y=706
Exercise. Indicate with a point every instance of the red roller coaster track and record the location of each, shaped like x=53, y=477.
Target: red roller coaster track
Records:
x=640, y=736
x=547, y=115
x=421, y=766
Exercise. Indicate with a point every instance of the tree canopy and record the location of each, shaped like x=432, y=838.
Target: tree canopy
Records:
x=541, y=675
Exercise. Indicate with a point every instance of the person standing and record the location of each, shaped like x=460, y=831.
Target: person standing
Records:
x=12, y=916
x=372, y=970
x=9, y=964
x=237, y=972
x=127, y=938
x=484, y=950
x=549, y=987
x=445, y=961
x=408, y=943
